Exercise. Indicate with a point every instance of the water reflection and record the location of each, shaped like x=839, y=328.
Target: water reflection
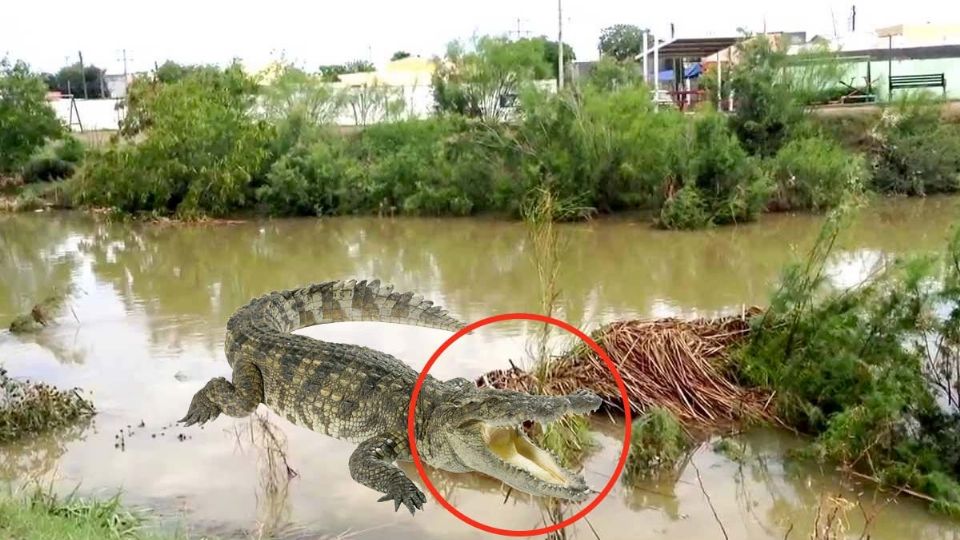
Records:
x=35, y=458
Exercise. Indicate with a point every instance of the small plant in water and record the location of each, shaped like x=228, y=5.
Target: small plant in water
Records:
x=570, y=438
x=658, y=446
x=30, y=407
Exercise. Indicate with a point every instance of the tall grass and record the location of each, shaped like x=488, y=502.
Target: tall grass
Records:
x=569, y=438
x=38, y=514
x=851, y=367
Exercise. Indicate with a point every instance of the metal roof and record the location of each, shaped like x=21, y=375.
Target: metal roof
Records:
x=693, y=47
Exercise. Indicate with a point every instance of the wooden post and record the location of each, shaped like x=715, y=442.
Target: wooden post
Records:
x=560, y=44
x=645, y=56
x=889, y=66
x=719, y=81
x=656, y=72
x=730, y=93
x=83, y=75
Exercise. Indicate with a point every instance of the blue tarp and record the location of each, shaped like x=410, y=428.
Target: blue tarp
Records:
x=691, y=72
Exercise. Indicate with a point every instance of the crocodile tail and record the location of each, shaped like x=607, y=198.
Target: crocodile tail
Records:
x=342, y=301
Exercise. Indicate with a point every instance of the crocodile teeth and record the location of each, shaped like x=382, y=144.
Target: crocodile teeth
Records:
x=374, y=286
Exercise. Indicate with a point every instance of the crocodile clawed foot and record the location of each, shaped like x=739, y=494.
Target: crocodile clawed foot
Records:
x=201, y=411
x=407, y=494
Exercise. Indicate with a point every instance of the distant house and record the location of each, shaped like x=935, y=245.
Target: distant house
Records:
x=117, y=84
x=410, y=71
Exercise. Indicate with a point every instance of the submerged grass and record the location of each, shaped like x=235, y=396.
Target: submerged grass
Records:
x=864, y=370
x=31, y=407
x=659, y=446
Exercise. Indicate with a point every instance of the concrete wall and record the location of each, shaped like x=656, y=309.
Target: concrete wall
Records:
x=102, y=114
x=880, y=72
x=94, y=114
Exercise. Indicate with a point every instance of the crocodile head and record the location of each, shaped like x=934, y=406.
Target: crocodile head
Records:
x=482, y=430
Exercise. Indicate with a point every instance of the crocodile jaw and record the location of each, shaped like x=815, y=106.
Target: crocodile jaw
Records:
x=507, y=454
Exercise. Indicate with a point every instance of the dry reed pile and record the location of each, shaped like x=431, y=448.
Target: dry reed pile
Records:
x=670, y=363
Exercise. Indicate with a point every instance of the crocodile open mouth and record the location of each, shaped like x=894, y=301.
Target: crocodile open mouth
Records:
x=514, y=448
x=507, y=454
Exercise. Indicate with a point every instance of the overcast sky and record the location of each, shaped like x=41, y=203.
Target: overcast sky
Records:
x=46, y=32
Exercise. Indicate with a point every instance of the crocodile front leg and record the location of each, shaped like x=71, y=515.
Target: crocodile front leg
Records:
x=237, y=399
x=371, y=464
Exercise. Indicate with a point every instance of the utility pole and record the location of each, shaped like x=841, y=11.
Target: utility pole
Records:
x=83, y=74
x=560, y=44
x=124, y=59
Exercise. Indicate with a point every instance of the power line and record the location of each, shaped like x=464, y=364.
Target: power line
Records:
x=519, y=32
x=125, y=59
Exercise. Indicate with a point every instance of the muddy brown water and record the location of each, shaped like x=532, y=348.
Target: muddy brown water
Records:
x=152, y=302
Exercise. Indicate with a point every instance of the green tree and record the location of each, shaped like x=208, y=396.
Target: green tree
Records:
x=299, y=105
x=359, y=66
x=170, y=71
x=622, y=41
x=26, y=120
x=771, y=89
x=551, y=53
x=332, y=72
x=399, y=55
x=201, y=152
x=71, y=79
x=609, y=74
x=479, y=81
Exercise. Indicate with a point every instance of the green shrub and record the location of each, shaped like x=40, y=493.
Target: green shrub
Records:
x=815, y=173
x=308, y=179
x=202, y=153
x=55, y=161
x=721, y=183
x=914, y=152
x=855, y=367
x=686, y=209
x=658, y=444
x=26, y=120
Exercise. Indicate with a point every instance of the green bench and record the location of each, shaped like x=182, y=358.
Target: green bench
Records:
x=933, y=80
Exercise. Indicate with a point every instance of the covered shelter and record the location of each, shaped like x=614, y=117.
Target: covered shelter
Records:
x=679, y=50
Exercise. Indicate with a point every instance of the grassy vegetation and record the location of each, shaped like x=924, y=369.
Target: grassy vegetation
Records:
x=658, y=446
x=30, y=407
x=209, y=141
x=871, y=371
x=41, y=515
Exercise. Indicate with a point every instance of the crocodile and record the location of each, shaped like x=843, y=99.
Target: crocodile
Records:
x=362, y=395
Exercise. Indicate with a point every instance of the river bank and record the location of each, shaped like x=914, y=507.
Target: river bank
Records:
x=214, y=142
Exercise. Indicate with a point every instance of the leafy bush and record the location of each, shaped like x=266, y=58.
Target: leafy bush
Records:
x=815, y=173
x=609, y=74
x=308, y=179
x=26, y=120
x=658, y=444
x=476, y=81
x=867, y=369
x=914, y=152
x=721, y=183
x=686, y=209
x=770, y=89
x=202, y=152
x=55, y=161
x=428, y=167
